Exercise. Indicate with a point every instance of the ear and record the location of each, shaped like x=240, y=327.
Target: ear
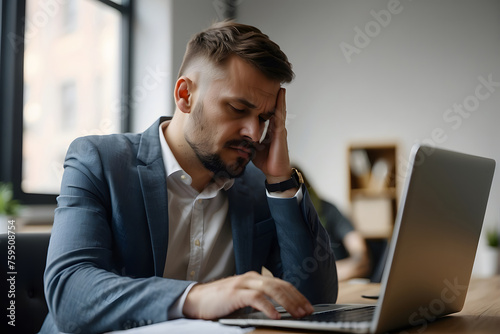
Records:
x=182, y=94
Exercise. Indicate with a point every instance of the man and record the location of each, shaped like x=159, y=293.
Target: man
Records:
x=176, y=221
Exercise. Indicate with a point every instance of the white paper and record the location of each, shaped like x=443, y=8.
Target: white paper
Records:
x=188, y=326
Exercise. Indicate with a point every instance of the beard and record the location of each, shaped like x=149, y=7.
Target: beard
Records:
x=212, y=161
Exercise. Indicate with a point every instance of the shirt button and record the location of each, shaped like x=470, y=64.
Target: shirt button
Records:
x=192, y=273
x=200, y=201
x=197, y=242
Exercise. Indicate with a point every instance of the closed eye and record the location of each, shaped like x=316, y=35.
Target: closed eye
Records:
x=239, y=111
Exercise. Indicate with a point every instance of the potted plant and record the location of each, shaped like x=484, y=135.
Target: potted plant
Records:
x=492, y=252
x=492, y=238
x=8, y=206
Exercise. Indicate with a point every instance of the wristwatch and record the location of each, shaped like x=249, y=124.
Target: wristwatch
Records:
x=293, y=182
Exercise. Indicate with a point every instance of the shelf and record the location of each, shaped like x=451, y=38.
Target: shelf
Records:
x=388, y=192
x=372, y=188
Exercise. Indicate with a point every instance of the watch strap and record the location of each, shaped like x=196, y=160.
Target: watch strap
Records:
x=293, y=182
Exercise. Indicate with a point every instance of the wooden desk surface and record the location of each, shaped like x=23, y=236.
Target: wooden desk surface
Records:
x=481, y=312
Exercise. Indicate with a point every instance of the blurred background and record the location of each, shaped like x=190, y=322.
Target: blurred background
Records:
x=373, y=78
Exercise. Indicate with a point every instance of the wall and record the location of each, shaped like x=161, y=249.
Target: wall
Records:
x=414, y=76
x=151, y=62
x=162, y=29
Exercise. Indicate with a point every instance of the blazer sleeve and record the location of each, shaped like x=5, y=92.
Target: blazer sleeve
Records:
x=307, y=260
x=84, y=288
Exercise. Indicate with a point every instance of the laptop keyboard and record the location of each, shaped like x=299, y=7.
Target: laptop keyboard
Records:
x=362, y=314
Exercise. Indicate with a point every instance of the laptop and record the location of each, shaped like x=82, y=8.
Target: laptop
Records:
x=431, y=253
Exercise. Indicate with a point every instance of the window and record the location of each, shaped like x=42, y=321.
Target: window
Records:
x=71, y=74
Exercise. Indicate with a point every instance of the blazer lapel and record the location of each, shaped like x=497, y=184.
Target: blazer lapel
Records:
x=242, y=218
x=154, y=189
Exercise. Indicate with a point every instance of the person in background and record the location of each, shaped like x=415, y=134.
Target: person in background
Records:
x=349, y=246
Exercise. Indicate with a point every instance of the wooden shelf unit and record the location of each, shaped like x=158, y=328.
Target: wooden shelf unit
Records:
x=373, y=189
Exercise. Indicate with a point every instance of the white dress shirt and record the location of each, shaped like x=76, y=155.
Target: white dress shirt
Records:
x=200, y=242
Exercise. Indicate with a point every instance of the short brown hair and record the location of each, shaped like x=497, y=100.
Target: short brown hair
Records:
x=227, y=38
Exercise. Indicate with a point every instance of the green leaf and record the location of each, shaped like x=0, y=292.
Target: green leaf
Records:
x=8, y=206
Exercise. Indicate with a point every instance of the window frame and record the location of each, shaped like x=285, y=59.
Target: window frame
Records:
x=12, y=90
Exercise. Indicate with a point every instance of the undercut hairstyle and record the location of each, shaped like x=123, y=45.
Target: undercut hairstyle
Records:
x=224, y=39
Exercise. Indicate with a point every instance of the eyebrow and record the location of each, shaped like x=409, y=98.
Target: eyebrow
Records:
x=250, y=105
x=247, y=103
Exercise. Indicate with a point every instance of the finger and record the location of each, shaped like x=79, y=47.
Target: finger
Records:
x=283, y=293
x=259, y=302
x=280, y=115
x=291, y=299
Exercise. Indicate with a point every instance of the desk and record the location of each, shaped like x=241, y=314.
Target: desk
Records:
x=480, y=314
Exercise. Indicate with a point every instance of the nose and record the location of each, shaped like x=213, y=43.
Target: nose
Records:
x=252, y=129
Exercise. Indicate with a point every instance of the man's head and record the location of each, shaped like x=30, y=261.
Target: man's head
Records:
x=224, y=39
x=227, y=88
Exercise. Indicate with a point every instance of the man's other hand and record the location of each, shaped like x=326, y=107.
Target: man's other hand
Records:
x=222, y=297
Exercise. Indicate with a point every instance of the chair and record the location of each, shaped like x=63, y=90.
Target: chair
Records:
x=30, y=307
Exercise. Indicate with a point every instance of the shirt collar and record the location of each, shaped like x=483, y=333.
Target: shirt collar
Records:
x=173, y=169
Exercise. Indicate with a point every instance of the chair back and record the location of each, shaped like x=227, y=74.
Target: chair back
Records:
x=21, y=281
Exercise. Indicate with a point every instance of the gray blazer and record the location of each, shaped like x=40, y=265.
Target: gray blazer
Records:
x=109, y=240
